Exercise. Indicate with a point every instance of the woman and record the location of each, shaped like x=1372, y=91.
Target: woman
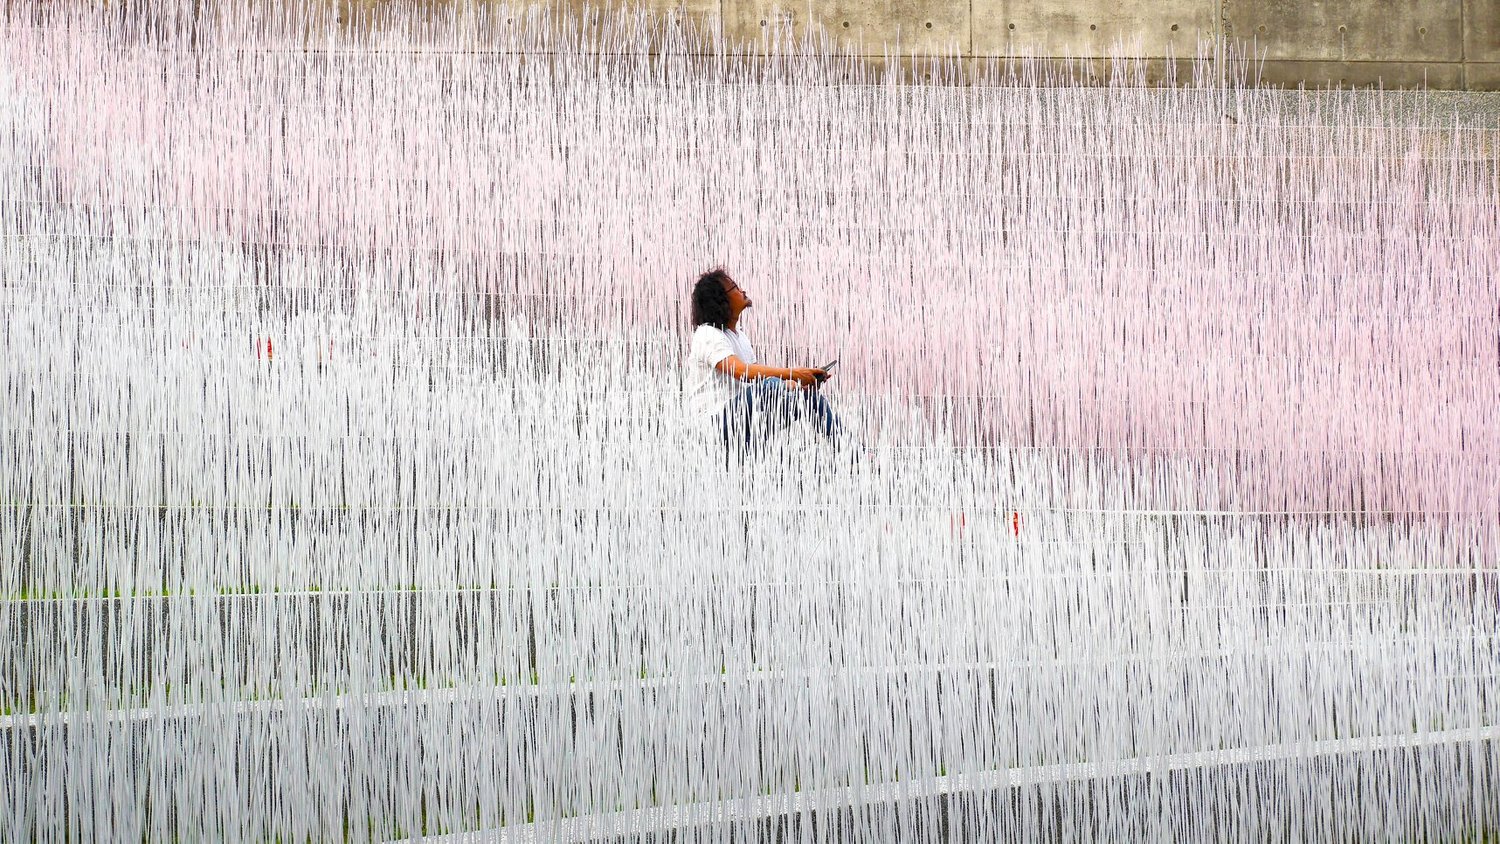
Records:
x=727, y=390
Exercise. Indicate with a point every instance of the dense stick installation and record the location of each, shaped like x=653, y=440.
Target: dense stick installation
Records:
x=346, y=493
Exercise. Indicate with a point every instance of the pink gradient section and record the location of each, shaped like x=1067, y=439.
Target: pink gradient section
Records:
x=1307, y=311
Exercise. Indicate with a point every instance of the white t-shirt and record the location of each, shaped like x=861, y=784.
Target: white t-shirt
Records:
x=707, y=389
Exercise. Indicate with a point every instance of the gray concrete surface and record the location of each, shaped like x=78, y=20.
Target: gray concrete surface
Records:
x=1439, y=44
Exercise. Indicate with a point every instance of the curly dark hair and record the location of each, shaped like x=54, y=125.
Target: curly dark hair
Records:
x=710, y=301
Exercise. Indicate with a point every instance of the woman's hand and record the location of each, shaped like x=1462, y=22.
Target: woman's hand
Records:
x=807, y=377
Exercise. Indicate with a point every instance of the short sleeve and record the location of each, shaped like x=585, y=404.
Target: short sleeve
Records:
x=710, y=346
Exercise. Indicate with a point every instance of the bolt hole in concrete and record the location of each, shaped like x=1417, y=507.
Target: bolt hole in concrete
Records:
x=846, y=24
x=1012, y=26
x=762, y=23
x=1421, y=30
x=1261, y=29
x=1174, y=27
x=929, y=24
x=1343, y=28
x=1093, y=26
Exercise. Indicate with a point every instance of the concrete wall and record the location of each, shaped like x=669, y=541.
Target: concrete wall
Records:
x=1449, y=44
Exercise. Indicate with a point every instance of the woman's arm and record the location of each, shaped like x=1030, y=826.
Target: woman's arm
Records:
x=805, y=376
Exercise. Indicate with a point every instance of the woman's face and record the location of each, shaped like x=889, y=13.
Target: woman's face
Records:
x=739, y=300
